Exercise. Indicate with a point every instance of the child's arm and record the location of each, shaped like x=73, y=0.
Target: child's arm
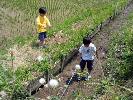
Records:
x=48, y=22
x=94, y=52
x=80, y=52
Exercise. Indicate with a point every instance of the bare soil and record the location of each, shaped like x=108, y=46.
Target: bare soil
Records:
x=23, y=56
x=58, y=38
x=87, y=88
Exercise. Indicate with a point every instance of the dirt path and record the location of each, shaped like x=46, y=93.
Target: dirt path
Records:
x=101, y=40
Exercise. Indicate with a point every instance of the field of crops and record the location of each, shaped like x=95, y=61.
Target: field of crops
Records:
x=71, y=21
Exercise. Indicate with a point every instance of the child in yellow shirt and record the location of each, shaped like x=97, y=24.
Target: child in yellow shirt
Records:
x=42, y=24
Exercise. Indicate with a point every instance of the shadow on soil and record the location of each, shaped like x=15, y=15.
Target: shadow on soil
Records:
x=35, y=44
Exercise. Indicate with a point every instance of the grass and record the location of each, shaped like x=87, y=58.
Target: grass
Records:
x=120, y=52
x=63, y=14
x=119, y=63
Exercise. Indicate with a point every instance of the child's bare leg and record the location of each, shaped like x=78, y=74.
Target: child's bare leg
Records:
x=41, y=43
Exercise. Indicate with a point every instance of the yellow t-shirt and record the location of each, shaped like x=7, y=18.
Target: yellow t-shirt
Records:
x=41, y=22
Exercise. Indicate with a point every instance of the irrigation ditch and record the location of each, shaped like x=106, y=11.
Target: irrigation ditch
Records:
x=34, y=85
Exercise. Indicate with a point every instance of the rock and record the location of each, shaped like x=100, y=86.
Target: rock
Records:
x=42, y=80
x=77, y=67
x=3, y=94
x=39, y=58
x=48, y=97
x=46, y=85
x=53, y=83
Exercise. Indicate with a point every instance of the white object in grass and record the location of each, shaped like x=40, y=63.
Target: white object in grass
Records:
x=53, y=83
x=46, y=86
x=103, y=53
x=3, y=94
x=59, y=79
x=42, y=80
x=77, y=67
x=39, y=58
x=49, y=97
x=89, y=76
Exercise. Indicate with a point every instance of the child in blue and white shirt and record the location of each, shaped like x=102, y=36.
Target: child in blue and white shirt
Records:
x=87, y=53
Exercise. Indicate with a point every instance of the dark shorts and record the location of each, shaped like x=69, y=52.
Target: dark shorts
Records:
x=88, y=62
x=42, y=36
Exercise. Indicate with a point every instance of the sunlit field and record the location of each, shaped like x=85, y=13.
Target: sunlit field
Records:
x=71, y=20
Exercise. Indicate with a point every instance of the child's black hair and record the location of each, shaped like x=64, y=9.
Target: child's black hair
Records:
x=86, y=40
x=42, y=10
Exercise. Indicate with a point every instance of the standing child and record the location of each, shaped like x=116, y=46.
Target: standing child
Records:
x=42, y=24
x=87, y=53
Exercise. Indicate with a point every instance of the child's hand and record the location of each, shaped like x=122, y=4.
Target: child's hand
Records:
x=50, y=26
x=44, y=26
